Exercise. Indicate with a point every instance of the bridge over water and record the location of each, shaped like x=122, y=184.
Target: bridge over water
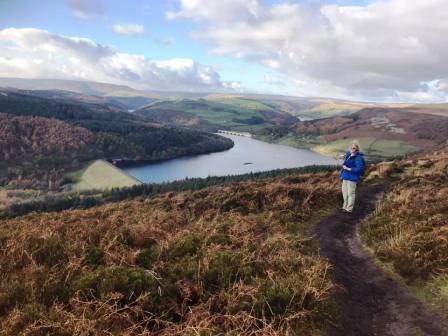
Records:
x=244, y=134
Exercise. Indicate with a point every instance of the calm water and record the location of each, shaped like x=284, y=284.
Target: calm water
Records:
x=248, y=155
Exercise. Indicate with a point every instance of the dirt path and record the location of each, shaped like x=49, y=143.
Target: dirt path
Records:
x=371, y=302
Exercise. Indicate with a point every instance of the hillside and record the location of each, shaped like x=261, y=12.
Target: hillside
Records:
x=120, y=96
x=93, y=102
x=305, y=108
x=112, y=103
x=314, y=108
x=408, y=232
x=120, y=135
x=224, y=113
x=382, y=132
x=233, y=259
x=436, y=109
x=308, y=108
x=266, y=255
x=82, y=87
x=35, y=152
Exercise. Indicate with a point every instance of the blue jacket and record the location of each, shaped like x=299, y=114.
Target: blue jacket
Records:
x=356, y=163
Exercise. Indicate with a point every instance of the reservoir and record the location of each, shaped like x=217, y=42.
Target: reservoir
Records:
x=248, y=155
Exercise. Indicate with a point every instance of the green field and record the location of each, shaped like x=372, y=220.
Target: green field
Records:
x=332, y=109
x=243, y=103
x=233, y=114
x=370, y=146
x=294, y=141
x=102, y=175
x=375, y=148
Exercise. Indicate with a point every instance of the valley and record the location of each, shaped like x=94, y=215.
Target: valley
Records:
x=92, y=131
x=168, y=125
x=224, y=168
x=88, y=248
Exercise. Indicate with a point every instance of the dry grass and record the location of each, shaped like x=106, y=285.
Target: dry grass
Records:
x=234, y=260
x=410, y=229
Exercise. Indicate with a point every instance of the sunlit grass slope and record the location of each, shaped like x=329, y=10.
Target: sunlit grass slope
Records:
x=236, y=114
x=373, y=148
x=101, y=174
x=370, y=146
x=228, y=260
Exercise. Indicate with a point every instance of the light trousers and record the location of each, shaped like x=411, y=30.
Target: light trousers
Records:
x=349, y=194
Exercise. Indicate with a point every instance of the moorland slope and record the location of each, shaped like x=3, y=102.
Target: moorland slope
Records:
x=408, y=232
x=235, y=259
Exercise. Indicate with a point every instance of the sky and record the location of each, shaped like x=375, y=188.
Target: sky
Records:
x=379, y=50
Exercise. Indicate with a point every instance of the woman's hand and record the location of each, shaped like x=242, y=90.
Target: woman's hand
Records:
x=346, y=168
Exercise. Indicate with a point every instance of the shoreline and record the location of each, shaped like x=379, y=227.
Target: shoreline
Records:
x=128, y=163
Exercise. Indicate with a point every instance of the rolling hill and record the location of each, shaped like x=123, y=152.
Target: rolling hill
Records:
x=120, y=135
x=82, y=87
x=313, y=108
x=120, y=95
x=435, y=109
x=131, y=99
x=237, y=114
x=382, y=132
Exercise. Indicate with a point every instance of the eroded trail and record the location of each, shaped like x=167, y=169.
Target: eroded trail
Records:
x=371, y=302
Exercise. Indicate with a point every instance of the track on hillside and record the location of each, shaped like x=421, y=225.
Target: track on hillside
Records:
x=370, y=302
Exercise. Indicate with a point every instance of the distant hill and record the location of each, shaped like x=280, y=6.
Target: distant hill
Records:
x=227, y=113
x=83, y=87
x=132, y=99
x=128, y=98
x=92, y=102
x=124, y=135
x=121, y=95
x=383, y=132
x=435, y=109
x=314, y=108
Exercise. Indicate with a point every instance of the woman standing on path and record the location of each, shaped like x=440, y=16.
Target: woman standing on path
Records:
x=352, y=169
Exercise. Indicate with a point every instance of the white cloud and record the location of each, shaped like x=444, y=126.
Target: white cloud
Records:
x=236, y=86
x=86, y=9
x=222, y=10
x=442, y=85
x=388, y=48
x=35, y=53
x=128, y=29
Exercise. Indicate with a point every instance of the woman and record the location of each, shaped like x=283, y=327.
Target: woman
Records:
x=352, y=169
